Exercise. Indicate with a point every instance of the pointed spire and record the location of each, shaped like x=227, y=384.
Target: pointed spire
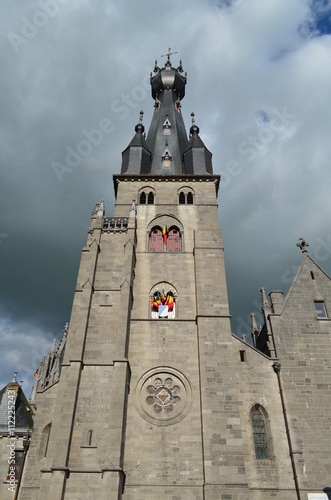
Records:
x=265, y=302
x=254, y=328
x=101, y=210
x=133, y=210
x=197, y=158
x=53, y=347
x=136, y=158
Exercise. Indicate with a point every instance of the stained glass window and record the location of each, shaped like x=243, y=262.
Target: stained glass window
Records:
x=259, y=435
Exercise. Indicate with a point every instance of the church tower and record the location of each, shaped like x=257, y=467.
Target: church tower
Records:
x=156, y=397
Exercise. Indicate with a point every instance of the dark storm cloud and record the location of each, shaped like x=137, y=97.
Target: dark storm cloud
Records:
x=67, y=66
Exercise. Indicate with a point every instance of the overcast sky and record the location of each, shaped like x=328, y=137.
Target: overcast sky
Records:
x=259, y=82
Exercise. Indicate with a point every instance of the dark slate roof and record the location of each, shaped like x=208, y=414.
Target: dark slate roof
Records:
x=23, y=411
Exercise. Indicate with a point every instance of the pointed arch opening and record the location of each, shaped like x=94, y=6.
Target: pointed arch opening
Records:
x=165, y=233
x=163, y=301
x=150, y=200
x=44, y=441
x=142, y=198
x=155, y=240
x=261, y=433
x=174, y=240
x=181, y=198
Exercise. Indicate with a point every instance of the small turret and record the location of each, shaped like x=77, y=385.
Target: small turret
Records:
x=136, y=158
x=197, y=158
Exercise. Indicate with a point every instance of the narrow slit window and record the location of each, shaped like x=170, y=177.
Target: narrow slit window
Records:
x=312, y=275
x=242, y=356
x=89, y=437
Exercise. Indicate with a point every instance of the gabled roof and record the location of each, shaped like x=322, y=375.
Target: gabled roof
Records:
x=305, y=260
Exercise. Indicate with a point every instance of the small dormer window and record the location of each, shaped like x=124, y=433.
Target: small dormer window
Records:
x=167, y=126
x=166, y=157
x=157, y=104
x=167, y=161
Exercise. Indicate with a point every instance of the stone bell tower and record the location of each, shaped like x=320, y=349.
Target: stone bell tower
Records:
x=148, y=401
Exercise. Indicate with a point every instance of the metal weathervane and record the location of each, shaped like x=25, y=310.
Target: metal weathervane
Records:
x=169, y=53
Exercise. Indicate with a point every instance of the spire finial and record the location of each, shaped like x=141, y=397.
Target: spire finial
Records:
x=14, y=377
x=169, y=53
x=141, y=116
x=101, y=210
x=303, y=244
x=193, y=120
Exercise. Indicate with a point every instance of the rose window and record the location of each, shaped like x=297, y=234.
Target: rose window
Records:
x=163, y=395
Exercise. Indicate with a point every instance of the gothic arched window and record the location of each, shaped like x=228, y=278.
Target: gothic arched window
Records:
x=174, y=240
x=165, y=240
x=261, y=433
x=150, y=199
x=44, y=440
x=156, y=240
x=142, y=198
x=163, y=304
x=189, y=198
x=182, y=198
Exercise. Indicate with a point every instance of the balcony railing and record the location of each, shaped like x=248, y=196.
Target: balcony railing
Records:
x=115, y=224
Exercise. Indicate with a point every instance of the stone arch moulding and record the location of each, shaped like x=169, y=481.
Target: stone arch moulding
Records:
x=144, y=195
x=186, y=195
x=161, y=294
x=174, y=229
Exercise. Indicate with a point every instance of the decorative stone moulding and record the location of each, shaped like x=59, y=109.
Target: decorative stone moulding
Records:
x=163, y=396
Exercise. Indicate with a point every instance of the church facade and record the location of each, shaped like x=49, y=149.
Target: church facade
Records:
x=152, y=395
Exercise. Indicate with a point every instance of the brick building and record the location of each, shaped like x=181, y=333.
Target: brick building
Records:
x=153, y=396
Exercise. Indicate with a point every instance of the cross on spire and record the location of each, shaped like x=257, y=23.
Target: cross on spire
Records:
x=303, y=244
x=169, y=53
